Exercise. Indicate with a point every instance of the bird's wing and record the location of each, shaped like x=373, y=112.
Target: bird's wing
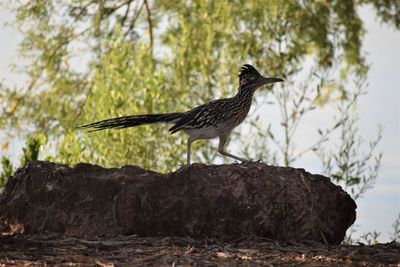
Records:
x=206, y=115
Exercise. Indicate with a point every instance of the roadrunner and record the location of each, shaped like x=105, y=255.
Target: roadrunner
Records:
x=214, y=119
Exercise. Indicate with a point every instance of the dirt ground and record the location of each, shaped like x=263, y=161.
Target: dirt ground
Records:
x=53, y=249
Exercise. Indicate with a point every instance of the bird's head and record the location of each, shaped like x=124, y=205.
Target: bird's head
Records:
x=250, y=78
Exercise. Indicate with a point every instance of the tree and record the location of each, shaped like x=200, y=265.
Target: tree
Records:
x=89, y=60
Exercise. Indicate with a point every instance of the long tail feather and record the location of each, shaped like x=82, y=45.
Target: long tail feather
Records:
x=131, y=121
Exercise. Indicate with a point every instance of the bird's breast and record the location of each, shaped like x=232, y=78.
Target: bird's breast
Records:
x=204, y=133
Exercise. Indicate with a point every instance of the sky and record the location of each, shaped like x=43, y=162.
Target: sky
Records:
x=380, y=206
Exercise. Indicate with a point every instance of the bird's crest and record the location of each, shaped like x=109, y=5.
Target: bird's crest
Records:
x=247, y=74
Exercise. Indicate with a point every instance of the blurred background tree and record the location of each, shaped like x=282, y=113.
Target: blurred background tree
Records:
x=94, y=59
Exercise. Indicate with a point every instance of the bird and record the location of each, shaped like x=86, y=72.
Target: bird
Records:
x=214, y=119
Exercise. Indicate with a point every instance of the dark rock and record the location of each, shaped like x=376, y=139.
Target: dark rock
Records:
x=200, y=201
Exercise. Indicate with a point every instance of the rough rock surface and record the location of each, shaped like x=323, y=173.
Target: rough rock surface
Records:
x=200, y=201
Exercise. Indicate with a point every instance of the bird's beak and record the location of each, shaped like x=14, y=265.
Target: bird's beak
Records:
x=264, y=81
x=272, y=80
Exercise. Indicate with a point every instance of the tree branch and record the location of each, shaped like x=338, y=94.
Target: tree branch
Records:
x=150, y=22
x=133, y=20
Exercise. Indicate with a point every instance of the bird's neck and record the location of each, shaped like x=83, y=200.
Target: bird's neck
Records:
x=245, y=94
x=242, y=101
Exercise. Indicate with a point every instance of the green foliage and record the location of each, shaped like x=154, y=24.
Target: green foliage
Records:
x=370, y=238
x=395, y=235
x=347, y=164
x=92, y=60
x=32, y=149
x=122, y=71
x=387, y=11
x=7, y=171
x=30, y=152
x=125, y=68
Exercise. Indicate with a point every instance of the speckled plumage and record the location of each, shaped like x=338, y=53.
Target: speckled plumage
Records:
x=214, y=119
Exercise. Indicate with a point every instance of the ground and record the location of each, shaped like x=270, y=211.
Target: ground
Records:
x=252, y=200
x=54, y=249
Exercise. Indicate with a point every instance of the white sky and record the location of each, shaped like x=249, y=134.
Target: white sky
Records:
x=381, y=205
x=379, y=208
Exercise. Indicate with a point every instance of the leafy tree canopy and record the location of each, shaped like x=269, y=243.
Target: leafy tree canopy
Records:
x=89, y=60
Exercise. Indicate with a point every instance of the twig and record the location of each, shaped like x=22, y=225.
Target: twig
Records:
x=133, y=20
x=126, y=14
x=150, y=22
x=56, y=49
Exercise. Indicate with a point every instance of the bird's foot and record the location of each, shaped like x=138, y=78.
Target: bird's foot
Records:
x=257, y=161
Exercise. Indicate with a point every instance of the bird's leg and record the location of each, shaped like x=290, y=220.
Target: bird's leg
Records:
x=221, y=149
x=189, y=143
